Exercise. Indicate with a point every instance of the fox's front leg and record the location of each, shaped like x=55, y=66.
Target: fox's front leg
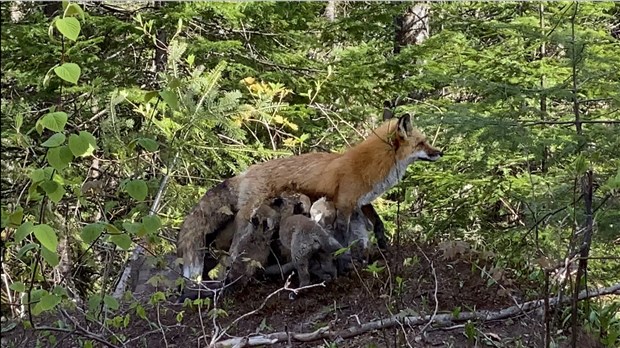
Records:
x=342, y=233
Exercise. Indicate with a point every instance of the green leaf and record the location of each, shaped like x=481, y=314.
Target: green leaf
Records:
x=16, y=217
x=23, y=231
x=74, y=9
x=82, y=144
x=8, y=327
x=19, y=121
x=151, y=223
x=57, y=195
x=91, y=232
x=148, y=144
x=134, y=228
x=51, y=257
x=581, y=165
x=112, y=229
x=69, y=72
x=48, y=302
x=170, y=98
x=55, y=140
x=137, y=189
x=23, y=250
x=111, y=302
x=37, y=175
x=60, y=291
x=54, y=190
x=69, y=27
x=49, y=186
x=149, y=95
x=59, y=157
x=122, y=240
x=18, y=287
x=54, y=121
x=46, y=236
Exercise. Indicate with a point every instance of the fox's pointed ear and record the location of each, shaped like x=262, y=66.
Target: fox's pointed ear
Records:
x=404, y=126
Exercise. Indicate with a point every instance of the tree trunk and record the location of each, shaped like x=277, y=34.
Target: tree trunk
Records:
x=330, y=10
x=16, y=12
x=412, y=27
x=161, y=55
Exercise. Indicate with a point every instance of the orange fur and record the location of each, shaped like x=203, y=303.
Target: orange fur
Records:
x=350, y=180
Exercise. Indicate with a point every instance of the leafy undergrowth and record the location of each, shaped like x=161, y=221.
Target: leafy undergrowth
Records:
x=459, y=285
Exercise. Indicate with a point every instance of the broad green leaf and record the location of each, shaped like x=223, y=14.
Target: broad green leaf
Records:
x=111, y=302
x=55, y=140
x=137, y=189
x=18, y=286
x=122, y=240
x=57, y=195
x=112, y=229
x=151, y=223
x=46, y=236
x=23, y=250
x=170, y=98
x=148, y=144
x=8, y=326
x=150, y=95
x=59, y=157
x=16, y=217
x=82, y=144
x=91, y=232
x=23, y=231
x=69, y=72
x=73, y=9
x=54, y=121
x=51, y=257
x=69, y=27
x=134, y=228
x=60, y=291
x=48, y=302
x=38, y=175
x=49, y=186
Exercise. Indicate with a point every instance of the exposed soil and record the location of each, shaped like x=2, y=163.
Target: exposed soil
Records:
x=359, y=298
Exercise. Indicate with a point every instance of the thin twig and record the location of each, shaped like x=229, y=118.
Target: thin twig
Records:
x=442, y=319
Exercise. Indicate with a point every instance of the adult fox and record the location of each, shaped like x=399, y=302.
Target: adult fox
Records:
x=351, y=180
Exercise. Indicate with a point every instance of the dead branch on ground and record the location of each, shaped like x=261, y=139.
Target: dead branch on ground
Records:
x=439, y=320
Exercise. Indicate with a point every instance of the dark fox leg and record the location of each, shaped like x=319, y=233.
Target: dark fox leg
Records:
x=378, y=227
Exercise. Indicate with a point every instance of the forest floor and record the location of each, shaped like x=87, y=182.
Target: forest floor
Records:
x=454, y=277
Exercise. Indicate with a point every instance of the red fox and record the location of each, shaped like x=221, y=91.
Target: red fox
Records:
x=351, y=180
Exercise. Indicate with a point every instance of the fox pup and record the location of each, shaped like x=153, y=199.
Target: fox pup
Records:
x=300, y=234
x=351, y=180
x=287, y=204
x=304, y=238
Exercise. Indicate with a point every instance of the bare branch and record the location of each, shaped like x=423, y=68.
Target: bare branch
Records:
x=441, y=319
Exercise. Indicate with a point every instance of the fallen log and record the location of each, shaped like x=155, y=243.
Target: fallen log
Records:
x=440, y=320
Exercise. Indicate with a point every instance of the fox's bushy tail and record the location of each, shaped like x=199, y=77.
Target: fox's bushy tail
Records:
x=214, y=210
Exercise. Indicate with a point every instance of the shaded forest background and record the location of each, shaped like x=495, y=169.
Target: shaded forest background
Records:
x=117, y=117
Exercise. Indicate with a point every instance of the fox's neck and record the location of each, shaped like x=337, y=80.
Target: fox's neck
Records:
x=388, y=180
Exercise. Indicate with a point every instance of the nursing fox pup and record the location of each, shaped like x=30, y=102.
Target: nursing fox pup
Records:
x=351, y=180
x=309, y=244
